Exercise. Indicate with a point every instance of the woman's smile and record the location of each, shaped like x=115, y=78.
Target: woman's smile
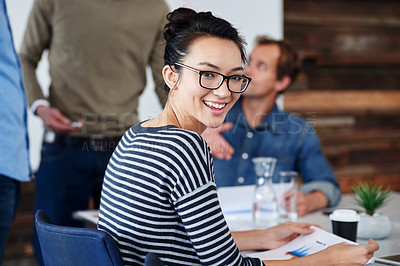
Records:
x=216, y=108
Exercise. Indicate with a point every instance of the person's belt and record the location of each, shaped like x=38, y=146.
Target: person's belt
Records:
x=94, y=142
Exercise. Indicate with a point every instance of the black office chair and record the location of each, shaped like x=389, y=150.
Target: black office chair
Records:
x=66, y=246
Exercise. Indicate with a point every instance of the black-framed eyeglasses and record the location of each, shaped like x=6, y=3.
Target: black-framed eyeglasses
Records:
x=213, y=80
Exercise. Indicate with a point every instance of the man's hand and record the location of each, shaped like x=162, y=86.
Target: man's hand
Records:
x=310, y=202
x=54, y=120
x=220, y=148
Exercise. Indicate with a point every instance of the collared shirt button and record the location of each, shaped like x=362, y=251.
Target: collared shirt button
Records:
x=245, y=156
x=249, y=135
x=240, y=180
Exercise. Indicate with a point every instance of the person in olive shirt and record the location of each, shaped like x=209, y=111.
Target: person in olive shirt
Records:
x=98, y=52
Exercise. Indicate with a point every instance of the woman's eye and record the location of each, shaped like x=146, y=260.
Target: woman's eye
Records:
x=208, y=75
x=237, y=78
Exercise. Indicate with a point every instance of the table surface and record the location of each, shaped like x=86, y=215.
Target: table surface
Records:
x=242, y=219
x=237, y=211
x=389, y=245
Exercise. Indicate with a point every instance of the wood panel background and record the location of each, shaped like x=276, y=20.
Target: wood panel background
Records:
x=350, y=86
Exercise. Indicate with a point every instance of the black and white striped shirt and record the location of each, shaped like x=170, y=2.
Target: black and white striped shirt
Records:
x=159, y=196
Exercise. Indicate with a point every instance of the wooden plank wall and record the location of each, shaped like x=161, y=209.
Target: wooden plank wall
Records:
x=350, y=86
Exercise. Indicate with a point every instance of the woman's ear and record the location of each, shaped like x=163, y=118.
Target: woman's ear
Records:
x=170, y=77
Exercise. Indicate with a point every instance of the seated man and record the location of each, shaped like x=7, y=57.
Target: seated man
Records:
x=256, y=127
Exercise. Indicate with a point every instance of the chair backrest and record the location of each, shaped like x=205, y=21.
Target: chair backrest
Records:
x=68, y=246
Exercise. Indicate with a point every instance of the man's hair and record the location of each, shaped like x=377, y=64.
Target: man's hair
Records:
x=288, y=62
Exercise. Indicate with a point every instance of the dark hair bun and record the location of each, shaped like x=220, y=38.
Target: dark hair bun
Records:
x=177, y=19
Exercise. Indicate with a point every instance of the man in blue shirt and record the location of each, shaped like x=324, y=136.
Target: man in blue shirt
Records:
x=256, y=127
x=14, y=156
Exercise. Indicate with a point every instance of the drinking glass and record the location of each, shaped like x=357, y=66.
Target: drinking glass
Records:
x=264, y=206
x=286, y=186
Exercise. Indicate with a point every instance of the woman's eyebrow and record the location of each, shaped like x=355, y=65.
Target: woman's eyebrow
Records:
x=238, y=69
x=209, y=65
x=217, y=68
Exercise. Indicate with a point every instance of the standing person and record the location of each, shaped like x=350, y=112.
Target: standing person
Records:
x=256, y=127
x=98, y=52
x=159, y=192
x=14, y=143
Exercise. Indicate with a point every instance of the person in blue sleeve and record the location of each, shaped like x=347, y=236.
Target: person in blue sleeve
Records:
x=256, y=127
x=14, y=145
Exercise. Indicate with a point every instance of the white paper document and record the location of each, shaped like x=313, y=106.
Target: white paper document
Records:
x=236, y=200
x=239, y=199
x=301, y=246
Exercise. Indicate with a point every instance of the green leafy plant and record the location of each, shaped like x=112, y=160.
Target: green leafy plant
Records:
x=370, y=196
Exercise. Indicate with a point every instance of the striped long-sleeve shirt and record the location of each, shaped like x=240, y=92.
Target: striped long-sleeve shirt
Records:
x=159, y=196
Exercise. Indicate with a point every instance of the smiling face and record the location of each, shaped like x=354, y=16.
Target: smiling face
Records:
x=195, y=107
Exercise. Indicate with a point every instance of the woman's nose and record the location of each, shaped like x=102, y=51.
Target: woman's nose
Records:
x=223, y=90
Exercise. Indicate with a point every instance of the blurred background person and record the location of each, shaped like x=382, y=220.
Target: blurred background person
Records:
x=256, y=127
x=98, y=53
x=14, y=143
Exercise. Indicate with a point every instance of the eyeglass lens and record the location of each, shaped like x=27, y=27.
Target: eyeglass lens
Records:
x=213, y=80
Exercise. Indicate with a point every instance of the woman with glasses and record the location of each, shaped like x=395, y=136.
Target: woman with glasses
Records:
x=159, y=191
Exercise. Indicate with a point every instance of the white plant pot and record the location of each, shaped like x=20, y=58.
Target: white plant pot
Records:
x=377, y=226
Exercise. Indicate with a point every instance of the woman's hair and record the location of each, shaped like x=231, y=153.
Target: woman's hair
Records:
x=185, y=26
x=289, y=63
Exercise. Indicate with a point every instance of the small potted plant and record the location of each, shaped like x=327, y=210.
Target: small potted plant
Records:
x=371, y=197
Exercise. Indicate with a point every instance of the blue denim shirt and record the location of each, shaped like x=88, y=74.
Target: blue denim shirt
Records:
x=287, y=137
x=14, y=144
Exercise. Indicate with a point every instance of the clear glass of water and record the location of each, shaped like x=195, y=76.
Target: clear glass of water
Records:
x=264, y=206
x=286, y=186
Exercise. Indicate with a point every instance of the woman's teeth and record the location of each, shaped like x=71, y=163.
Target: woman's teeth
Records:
x=215, y=105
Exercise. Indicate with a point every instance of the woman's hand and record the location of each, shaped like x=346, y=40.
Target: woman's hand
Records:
x=270, y=238
x=347, y=254
x=339, y=254
x=279, y=235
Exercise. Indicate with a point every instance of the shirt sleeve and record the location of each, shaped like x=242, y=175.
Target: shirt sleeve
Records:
x=316, y=172
x=331, y=191
x=204, y=222
x=37, y=38
x=196, y=203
